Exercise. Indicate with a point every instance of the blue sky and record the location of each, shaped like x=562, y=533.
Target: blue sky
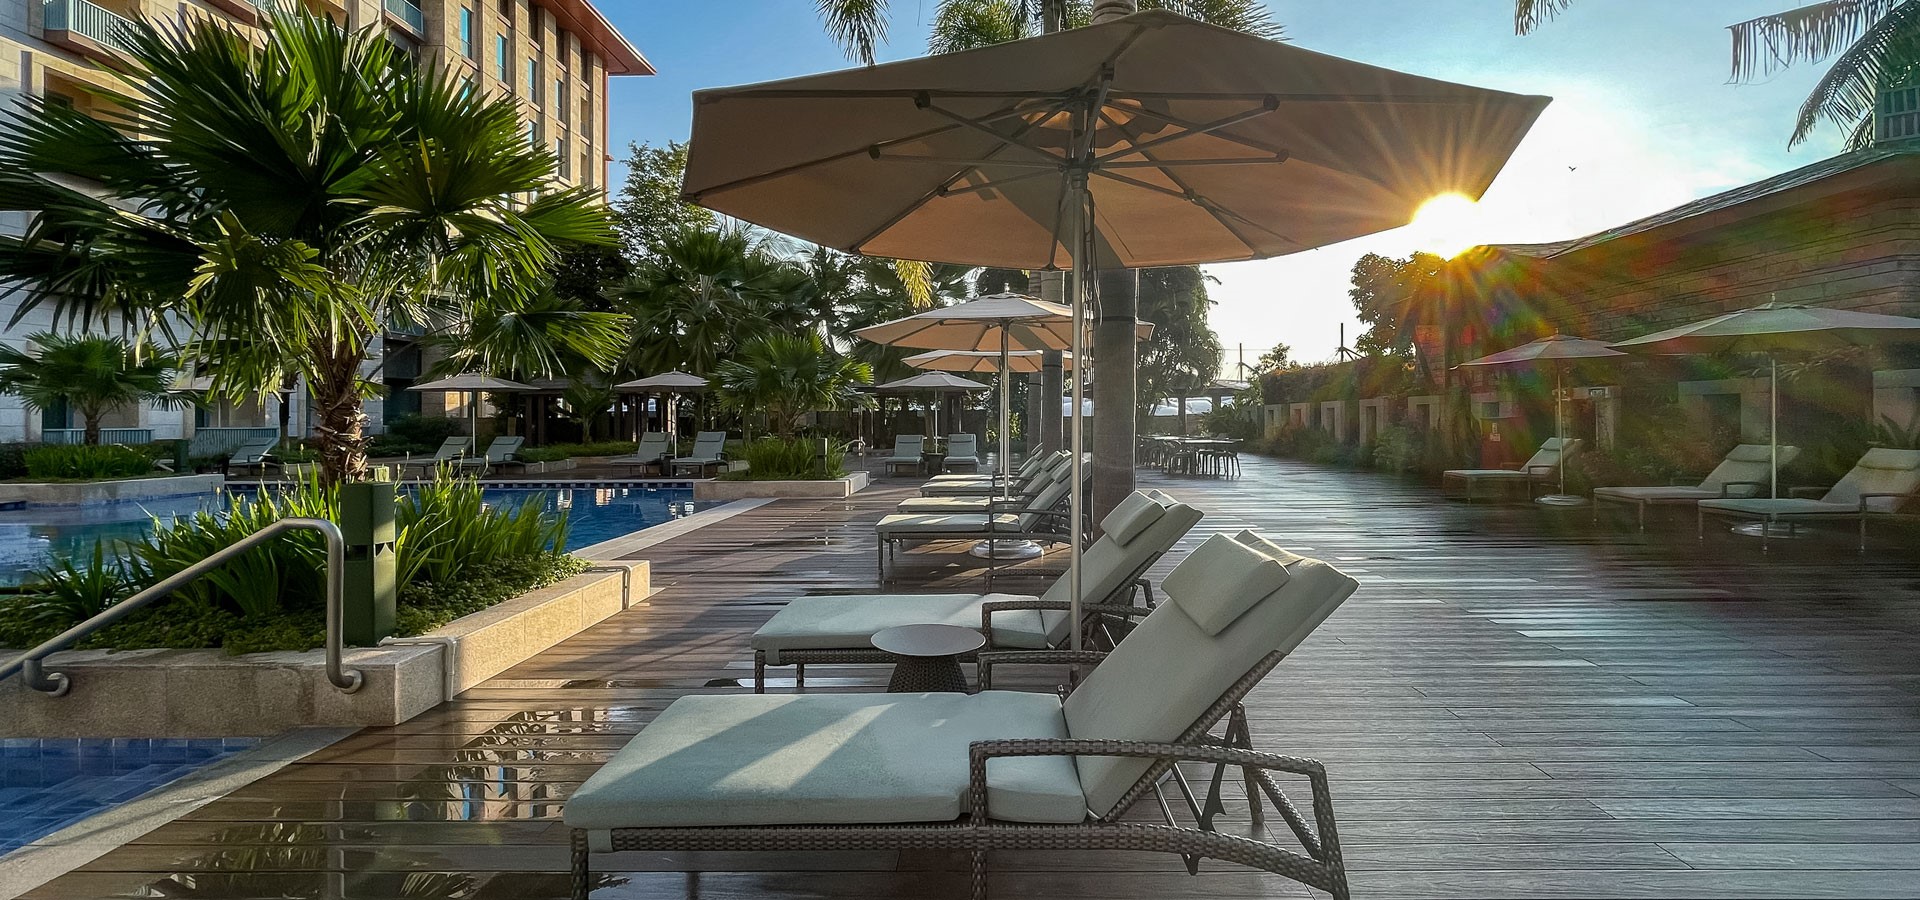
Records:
x=1642, y=118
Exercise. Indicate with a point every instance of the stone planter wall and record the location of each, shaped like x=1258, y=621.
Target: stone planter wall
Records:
x=82, y=493
x=207, y=693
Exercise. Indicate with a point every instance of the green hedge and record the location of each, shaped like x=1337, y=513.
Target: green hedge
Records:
x=86, y=463
x=557, y=452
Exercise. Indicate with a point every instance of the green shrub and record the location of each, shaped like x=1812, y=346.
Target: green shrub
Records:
x=13, y=461
x=792, y=459
x=557, y=452
x=82, y=462
x=425, y=431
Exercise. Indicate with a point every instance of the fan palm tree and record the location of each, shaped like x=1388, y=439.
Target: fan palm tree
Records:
x=785, y=376
x=700, y=295
x=91, y=375
x=1873, y=44
x=305, y=190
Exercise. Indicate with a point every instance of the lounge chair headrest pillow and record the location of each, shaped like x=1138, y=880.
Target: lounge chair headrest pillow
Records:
x=1131, y=518
x=1890, y=459
x=1220, y=581
x=1250, y=538
x=1757, y=453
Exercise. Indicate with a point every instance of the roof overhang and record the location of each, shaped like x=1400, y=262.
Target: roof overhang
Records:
x=593, y=29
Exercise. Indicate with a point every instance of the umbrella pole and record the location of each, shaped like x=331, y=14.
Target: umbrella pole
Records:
x=1560, y=432
x=1773, y=423
x=1082, y=228
x=1006, y=419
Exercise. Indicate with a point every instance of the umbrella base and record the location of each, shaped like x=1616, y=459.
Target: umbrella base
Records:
x=1774, y=532
x=1562, y=500
x=1007, y=550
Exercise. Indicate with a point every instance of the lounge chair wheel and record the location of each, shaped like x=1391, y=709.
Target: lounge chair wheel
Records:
x=799, y=677
x=759, y=672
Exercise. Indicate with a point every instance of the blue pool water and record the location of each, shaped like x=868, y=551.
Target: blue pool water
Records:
x=31, y=537
x=48, y=784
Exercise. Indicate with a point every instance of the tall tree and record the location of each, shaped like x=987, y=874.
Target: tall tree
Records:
x=1184, y=354
x=786, y=376
x=91, y=375
x=1874, y=44
x=648, y=208
x=698, y=297
x=304, y=190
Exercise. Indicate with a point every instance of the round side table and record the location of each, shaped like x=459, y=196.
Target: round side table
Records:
x=927, y=657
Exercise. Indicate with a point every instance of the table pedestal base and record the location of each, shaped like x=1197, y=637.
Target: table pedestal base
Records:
x=1007, y=550
x=1561, y=500
x=916, y=675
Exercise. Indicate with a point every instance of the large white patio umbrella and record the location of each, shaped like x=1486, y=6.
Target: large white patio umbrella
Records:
x=672, y=384
x=473, y=385
x=1555, y=349
x=935, y=383
x=1148, y=140
x=1018, y=361
x=1772, y=329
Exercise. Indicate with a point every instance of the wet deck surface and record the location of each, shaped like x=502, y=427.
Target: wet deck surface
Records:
x=1515, y=704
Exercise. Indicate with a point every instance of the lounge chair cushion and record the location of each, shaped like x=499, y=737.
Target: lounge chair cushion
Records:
x=1657, y=494
x=1486, y=474
x=1166, y=673
x=1129, y=519
x=827, y=759
x=850, y=621
x=1236, y=578
x=1883, y=470
x=946, y=523
x=1250, y=538
x=1783, y=506
x=944, y=505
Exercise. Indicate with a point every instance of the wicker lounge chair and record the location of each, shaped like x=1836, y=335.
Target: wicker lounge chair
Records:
x=1744, y=473
x=963, y=451
x=451, y=449
x=1879, y=484
x=1041, y=518
x=253, y=453
x=838, y=629
x=709, y=452
x=500, y=452
x=648, y=453
x=997, y=770
x=1543, y=466
x=906, y=452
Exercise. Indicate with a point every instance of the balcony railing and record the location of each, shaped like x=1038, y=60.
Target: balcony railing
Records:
x=91, y=21
x=107, y=435
x=409, y=12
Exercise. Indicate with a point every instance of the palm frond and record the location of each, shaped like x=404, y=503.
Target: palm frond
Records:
x=1531, y=14
x=859, y=26
x=1888, y=53
x=971, y=24
x=1250, y=16
x=1810, y=33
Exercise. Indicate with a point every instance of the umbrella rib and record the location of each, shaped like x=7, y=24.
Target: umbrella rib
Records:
x=996, y=185
x=1193, y=196
x=694, y=196
x=1204, y=128
x=1006, y=140
x=1195, y=199
x=1190, y=125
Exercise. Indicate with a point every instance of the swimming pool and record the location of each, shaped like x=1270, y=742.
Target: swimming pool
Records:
x=32, y=537
x=48, y=784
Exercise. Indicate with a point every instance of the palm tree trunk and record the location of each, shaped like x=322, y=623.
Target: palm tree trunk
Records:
x=1116, y=360
x=91, y=425
x=341, y=436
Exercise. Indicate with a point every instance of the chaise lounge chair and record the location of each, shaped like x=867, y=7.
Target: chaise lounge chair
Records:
x=997, y=770
x=988, y=485
x=1025, y=492
x=1040, y=518
x=254, y=453
x=709, y=452
x=647, y=454
x=839, y=629
x=1879, y=484
x=963, y=451
x=451, y=449
x=1544, y=466
x=1745, y=472
x=906, y=452
x=500, y=452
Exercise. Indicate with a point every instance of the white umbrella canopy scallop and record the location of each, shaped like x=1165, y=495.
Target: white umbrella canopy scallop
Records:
x=472, y=384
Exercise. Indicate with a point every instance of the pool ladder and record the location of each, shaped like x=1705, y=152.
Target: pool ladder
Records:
x=28, y=664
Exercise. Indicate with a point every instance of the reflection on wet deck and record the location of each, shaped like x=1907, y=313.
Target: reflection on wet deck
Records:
x=1515, y=705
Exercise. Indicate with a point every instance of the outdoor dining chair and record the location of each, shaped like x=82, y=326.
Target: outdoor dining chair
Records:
x=999, y=770
x=1881, y=483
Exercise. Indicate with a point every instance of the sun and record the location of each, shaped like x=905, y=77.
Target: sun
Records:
x=1445, y=225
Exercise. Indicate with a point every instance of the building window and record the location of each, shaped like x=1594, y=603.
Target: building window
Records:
x=534, y=21
x=586, y=167
x=560, y=100
x=533, y=82
x=501, y=68
x=533, y=133
x=466, y=32
x=586, y=119
x=466, y=89
x=506, y=9
x=560, y=153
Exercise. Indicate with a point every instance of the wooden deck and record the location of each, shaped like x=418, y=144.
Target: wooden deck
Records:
x=1515, y=704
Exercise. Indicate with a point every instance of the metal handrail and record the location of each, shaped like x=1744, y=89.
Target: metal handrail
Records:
x=347, y=680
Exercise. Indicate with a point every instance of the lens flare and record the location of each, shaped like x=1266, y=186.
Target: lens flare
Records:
x=1445, y=225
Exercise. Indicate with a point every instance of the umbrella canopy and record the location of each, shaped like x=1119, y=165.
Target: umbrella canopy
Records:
x=1207, y=145
x=1547, y=349
x=1022, y=361
x=992, y=323
x=1772, y=328
x=934, y=382
x=664, y=383
x=472, y=383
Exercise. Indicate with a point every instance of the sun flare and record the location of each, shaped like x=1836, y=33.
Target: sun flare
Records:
x=1446, y=225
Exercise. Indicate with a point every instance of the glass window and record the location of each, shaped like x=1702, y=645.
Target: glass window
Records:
x=500, y=64
x=560, y=99
x=586, y=119
x=560, y=153
x=466, y=32
x=533, y=82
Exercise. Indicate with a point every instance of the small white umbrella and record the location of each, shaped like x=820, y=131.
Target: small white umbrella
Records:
x=932, y=383
x=1557, y=349
x=1773, y=329
x=473, y=385
x=672, y=384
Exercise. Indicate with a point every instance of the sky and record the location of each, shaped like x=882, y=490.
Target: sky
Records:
x=1643, y=118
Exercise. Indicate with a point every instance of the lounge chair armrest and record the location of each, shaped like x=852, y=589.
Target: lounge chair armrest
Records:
x=1808, y=490
x=1537, y=470
x=1906, y=495
x=987, y=659
x=1726, y=489
x=1146, y=587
